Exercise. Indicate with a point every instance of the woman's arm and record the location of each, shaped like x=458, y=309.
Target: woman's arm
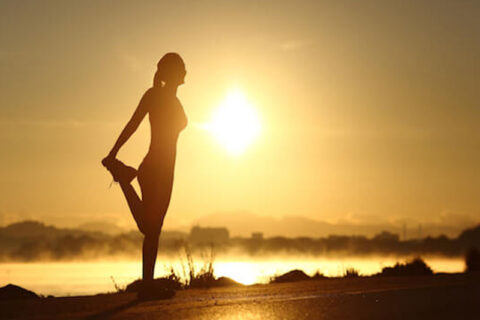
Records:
x=132, y=125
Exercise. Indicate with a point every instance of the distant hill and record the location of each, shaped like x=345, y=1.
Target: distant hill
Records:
x=104, y=227
x=35, y=229
x=27, y=229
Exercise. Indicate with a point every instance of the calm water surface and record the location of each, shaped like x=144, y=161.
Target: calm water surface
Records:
x=84, y=278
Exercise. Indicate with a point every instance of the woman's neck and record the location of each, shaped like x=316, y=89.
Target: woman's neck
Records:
x=170, y=89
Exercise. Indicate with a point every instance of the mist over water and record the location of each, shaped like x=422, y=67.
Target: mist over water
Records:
x=85, y=278
x=53, y=261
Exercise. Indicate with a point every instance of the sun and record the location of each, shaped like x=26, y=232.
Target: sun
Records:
x=235, y=123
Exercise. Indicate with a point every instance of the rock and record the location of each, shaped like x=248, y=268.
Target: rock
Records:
x=160, y=283
x=291, y=276
x=12, y=291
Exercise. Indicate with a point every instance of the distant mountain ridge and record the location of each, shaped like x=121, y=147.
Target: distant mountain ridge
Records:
x=244, y=223
x=33, y=229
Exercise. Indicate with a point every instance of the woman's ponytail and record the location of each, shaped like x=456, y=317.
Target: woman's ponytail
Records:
x=157, y=79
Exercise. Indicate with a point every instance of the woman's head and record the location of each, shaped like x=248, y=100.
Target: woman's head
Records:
x=170, y=69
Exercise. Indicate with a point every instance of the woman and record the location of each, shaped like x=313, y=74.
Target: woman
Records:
x=155, y=174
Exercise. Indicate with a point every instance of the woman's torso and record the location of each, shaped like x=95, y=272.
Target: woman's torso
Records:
x=167, y=120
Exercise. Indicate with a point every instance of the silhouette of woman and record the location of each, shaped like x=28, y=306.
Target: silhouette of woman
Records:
x=155, y=173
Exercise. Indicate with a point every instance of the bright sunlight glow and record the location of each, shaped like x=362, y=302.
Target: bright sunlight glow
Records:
x=235, y=123
x=241, y=272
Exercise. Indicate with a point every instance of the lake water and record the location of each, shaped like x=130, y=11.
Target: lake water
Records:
x=85, y=278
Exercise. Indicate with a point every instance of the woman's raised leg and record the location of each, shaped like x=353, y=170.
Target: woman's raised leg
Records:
x=135, y=204
x=124, y=174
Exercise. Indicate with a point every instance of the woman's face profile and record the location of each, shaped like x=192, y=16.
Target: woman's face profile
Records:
x=182, y=72
x=176, y=76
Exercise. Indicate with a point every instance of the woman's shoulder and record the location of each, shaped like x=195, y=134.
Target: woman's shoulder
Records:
x=152, y=92
x=152, y=96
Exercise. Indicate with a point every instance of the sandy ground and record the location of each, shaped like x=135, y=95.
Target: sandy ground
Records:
x=454, y=296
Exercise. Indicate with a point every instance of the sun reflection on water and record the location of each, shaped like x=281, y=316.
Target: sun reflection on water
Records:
x=79, y=278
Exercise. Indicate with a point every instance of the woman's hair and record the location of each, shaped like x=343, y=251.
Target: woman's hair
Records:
x=168, y=64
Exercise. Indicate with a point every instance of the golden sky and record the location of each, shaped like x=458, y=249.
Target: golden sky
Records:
x=369, y=110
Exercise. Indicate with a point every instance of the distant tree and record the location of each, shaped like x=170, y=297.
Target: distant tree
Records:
x=470, y=237
x=415, y=267
x=351, y=273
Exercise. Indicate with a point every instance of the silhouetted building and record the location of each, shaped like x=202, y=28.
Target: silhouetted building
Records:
x=257, y=235
x=209, y=235
x=386, y=236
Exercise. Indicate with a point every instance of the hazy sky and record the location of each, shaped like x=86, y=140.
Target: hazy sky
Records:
x=369, y=110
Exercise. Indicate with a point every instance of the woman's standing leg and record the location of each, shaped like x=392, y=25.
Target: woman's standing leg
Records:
x=156, y=193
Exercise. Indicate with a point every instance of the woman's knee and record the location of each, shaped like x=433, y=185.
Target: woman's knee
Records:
x=153, y=227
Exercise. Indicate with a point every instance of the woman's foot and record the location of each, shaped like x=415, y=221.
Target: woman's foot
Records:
x=120, y=171
x=154, y=291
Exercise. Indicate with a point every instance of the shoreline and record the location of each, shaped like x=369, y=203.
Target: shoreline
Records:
x=47, y=278
x=188, y=302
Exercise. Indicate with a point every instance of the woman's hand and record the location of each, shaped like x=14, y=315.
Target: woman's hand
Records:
x=108, y=159
x=130, y=128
